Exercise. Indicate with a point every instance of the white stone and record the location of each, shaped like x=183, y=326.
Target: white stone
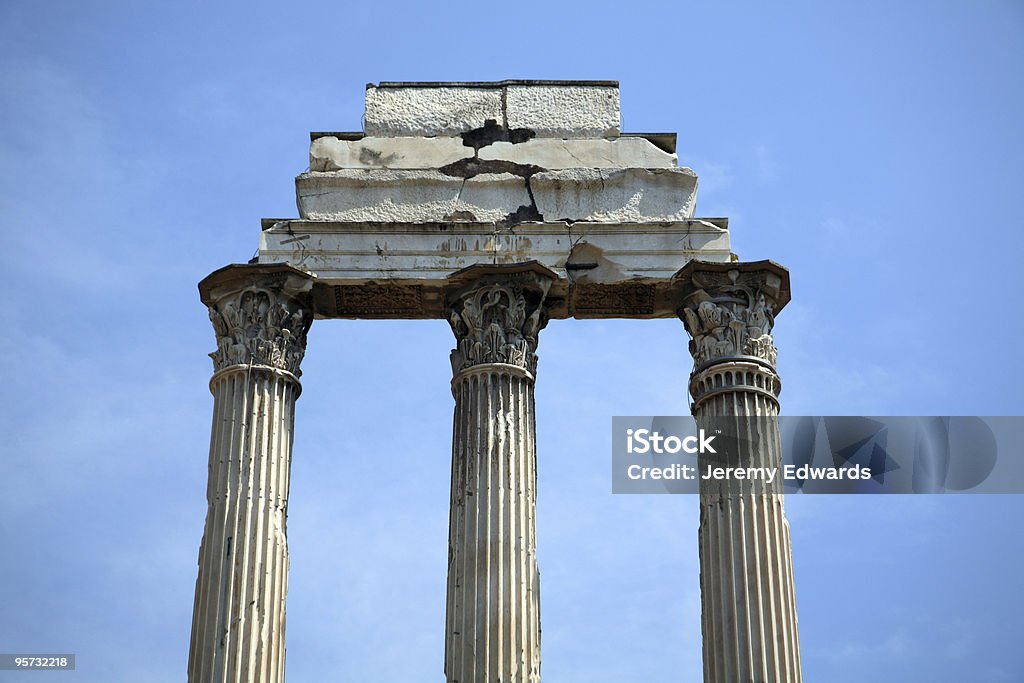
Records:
x=748, y=598
x=625, y=195
x=429, y=111
x=408, y=196
x=238, y=620
x=384, y=232
x=492, y=632
x=559, y=110
x=331, y=154
x=748, y=614
x=564, y=111
x=578, y=194
x=553, y=153
x=344, y=251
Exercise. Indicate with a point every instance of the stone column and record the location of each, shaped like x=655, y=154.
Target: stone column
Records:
x=748, y=601
x=493, y=609
x=261, y=315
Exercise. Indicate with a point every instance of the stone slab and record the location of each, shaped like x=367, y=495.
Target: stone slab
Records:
x=408, y=196
x=376, y=270
x=565, y=109
x=601, y=252
x=552, y=154
x=330, y=153
x=418, y=111
x=629, y=195
x=578, y=194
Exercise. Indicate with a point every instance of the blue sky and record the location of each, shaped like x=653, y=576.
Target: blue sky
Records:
x=874, y=148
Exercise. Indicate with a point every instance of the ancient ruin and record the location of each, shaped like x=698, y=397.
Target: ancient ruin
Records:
x=498, y=207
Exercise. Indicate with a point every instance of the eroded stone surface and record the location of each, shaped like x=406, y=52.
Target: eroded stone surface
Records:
x=559, y=110
x=331, y=154
x=626, y=195
x=493, y=486
x=409, y=196
x=564, y=111
x=608, y=252
x=429, y=111
x=505, y=176
x=492, y=193
x=751, y=625
x=260, y=316
x=551, y=153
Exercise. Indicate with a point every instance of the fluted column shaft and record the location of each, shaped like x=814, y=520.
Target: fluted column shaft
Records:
x=748, y=599
x=493, y=606
x=238, y=621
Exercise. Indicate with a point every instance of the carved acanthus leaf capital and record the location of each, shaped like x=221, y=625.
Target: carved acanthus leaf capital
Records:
x=260, y=325
x=497, y=320
x=729, y=315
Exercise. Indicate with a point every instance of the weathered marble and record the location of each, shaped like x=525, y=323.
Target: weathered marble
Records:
x=427, y=112
x=553, y=154
x=329, y=153
x=564, y=111
x=560, y=109
x=616, y=196
x=498, y=207
x=260, y=315
x=493, y=606
x=407, y=196
x=421, y=196
x=748, y=599
x=604, y=252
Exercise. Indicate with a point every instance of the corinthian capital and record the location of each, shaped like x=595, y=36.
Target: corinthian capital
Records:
x=729, y=310
x=261, y=315
x=496, y=319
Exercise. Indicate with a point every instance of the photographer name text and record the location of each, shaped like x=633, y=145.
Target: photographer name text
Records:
x=765, y=474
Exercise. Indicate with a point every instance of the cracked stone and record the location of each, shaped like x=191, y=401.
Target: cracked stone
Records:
x=331, y=154
x=392, y=112
x=551, y=153
x=472, y=167
x=492, y=133
x=408, y=196
x=627, y=195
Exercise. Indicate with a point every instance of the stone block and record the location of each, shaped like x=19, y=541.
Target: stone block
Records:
x=553, y=153
x=611, y=252
x=331, y=154
x=408, y=196
x=571, y=109
x=564, y=111
x=429, y=111
x=626, y=195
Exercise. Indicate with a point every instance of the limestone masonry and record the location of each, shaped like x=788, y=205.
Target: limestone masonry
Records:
x=449, y=176
x=497, y=207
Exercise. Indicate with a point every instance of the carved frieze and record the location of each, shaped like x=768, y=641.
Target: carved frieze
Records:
x=374, y=300
x=259, y=326
x=599, y=300
x=497, y=321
